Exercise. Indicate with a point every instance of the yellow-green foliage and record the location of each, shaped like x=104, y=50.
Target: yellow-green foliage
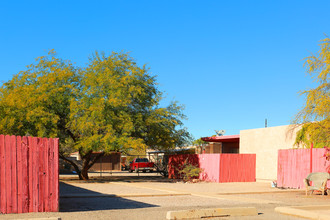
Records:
x=110, y=105
x=189, y=171
x=198, y=142
x=315, y=116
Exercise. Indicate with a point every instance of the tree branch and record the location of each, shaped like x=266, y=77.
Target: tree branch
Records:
x=93, y=161
x=76, y=167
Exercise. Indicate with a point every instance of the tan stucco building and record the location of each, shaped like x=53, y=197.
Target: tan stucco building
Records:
x=265, y=143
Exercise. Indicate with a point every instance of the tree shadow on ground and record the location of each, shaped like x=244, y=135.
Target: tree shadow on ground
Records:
x=129, y=178
x=77, y=199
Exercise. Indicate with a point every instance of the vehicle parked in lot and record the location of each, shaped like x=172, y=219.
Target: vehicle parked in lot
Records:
x=141, y=164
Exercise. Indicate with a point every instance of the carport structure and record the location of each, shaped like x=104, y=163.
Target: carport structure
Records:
x=222, y=144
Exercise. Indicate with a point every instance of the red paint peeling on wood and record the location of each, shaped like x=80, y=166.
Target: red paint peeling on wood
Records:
x=26, y=181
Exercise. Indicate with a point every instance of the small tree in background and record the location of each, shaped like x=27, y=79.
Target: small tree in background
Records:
x=199, y=143
x=315, y=115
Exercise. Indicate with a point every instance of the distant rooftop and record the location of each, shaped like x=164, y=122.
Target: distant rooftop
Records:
x=225, y=138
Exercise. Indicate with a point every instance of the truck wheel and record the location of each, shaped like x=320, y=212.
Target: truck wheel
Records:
x=144, y=171
x=130, y=170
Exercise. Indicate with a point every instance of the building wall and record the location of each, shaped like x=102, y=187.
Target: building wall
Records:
x=108, y=162
x=230, y=147
x=265, y=143
x=213, y=148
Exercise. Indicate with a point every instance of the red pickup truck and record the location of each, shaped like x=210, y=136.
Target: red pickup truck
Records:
x=141, y=164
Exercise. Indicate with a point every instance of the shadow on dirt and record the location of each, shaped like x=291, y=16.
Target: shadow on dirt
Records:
x=128, y=177
x=78, y=199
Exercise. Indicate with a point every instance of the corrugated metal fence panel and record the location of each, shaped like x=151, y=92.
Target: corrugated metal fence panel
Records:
x=210, y=165
x=175, y=164
x=248, y=167
x=218, y=167
x=29, y=178
x=320, y=164
x=237, y=167
x=294, y=166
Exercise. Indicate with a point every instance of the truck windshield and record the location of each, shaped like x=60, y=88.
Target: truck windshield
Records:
x=141, y=160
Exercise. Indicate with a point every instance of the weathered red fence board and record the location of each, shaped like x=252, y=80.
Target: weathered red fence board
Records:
x=28, y=174
x=294, y=166
x=237, y=168
x=3, y=192
x=217, y=167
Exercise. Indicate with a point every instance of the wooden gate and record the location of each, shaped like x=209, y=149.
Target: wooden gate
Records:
x=29, y=178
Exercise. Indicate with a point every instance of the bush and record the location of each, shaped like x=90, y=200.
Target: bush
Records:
x=189, y=172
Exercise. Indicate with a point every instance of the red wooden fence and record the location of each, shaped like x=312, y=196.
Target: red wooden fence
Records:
x=175, y=164
x=217, y=167
x=28, y=174
x=294, y=166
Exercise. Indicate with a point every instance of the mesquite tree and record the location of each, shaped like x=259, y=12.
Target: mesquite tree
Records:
x=315, y=115
x=112, y=104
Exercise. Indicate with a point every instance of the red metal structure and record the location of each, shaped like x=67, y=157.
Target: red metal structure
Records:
x=226, y=138
x=217, y=167
x=29, y=178
x=295, y=164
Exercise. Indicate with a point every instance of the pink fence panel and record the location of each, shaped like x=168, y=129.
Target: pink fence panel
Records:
x=237, y=167
x=294, y=166
x=217, y=167
x=28, y=174
x=210, y=165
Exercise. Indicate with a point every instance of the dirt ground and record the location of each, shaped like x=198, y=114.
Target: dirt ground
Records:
x=133, y=196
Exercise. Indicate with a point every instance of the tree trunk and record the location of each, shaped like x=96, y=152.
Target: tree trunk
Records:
x=75, y=166
x=87, y=163
x=84, y=174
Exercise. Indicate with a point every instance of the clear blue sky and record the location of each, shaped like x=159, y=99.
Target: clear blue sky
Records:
x=231, y=63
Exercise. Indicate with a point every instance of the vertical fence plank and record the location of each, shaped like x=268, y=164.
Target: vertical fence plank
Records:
x=46, y=176
x=41, y=179
x=19, y=175
x=25, y=175
x=14, y=172
x=3, y=192
x=56, y=174
x=8, y=174
x=30, y=175
x=51, y=173
x=35, y=174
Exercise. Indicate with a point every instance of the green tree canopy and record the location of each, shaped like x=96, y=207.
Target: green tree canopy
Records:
x=315, y=116
x=110, y=105
x=198, y=142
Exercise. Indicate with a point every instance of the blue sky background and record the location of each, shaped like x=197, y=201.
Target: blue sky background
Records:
x=231, y=63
